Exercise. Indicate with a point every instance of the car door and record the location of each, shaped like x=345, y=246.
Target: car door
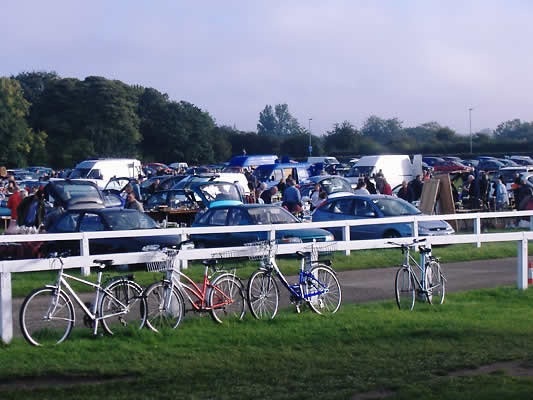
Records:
x=240, y=217
x=364, y=210
x=215, y=217
x=339, y=210
x=91, y=222
x=67, y=223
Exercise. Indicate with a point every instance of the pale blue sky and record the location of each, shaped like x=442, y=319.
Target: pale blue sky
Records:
x=328, y=60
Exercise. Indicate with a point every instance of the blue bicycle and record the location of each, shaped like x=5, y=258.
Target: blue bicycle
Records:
x=317, y=285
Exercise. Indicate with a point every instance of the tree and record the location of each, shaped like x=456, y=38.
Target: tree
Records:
x=514, y=129
x=34, y=83
x=382, y=130
x=15, y=134
x=278, y=122
x=344, y=138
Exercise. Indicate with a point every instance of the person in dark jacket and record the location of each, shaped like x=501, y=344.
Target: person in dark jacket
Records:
x=267, y=195
x=405, y=192
x=416, y=187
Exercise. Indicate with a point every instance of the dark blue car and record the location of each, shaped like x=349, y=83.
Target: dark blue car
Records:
x=252, y=214
x=371, y=207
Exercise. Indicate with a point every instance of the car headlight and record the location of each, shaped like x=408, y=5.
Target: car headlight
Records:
x=286, y=240
x=151, y=247
x=330, y=238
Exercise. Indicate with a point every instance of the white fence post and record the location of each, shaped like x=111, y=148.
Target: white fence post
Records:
x=346, y=237
x=184, y=264
x=84, y=253
x=477, y=230
x=415, y=228
x=6, y=308
x=522, y=263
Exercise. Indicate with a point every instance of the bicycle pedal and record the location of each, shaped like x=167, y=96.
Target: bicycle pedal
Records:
x=298, y=311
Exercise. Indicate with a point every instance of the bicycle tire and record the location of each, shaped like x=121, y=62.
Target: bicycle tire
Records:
x=404, y=285
x=435, y=283
x=226, y=289
x=263, y=295
x=330, y=301
x=37, y=327
x=163, y=312
x=125, y=309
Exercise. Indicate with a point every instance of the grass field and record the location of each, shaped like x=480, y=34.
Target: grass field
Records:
x=370, y=349
x=23, y=283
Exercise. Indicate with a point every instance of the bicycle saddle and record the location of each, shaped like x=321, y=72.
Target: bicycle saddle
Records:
x=210, y=262
x=300, y=254
x=424, y=250
x=103, y=263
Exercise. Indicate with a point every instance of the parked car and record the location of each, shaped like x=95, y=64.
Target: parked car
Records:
x=431, y=161
x=370, y=207
x=331, y=184
x=522, y=160
x=252, y=214
x=451, y=166
x=489, y=165
x=107, y=219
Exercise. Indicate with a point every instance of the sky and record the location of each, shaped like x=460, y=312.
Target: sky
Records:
x=331, y=61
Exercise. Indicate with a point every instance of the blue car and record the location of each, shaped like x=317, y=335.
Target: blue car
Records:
x=252, y=214
x=371, y=207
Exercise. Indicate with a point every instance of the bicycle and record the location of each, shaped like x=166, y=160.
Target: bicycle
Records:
x=432, y=283
x=223, y=297
x=47, y=314
x=317, y=286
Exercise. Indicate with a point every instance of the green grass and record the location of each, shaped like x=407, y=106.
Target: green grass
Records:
x=370, y=347
x=23, y=283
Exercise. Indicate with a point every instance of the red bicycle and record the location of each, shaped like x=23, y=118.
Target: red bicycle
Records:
x=221, y=294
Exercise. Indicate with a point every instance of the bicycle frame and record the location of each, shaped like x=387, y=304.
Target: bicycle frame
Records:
x=200, y=293
x=408, y=259
x=304, y=274
x=99, y=291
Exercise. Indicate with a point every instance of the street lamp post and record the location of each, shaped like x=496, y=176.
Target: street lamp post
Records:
x=310, y=146
x=470, y=122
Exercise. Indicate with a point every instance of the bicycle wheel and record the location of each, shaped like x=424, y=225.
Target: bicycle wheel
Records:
x=326, y=283
x=405, y=289
x=263, y=295
x=166, y=306
x=226, y=297
x=46, y=318
x=122, y=307
x=435, y=283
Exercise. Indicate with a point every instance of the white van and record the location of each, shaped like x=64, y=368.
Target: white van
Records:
x=325, y=160
x=395, y=168
x=101, y=171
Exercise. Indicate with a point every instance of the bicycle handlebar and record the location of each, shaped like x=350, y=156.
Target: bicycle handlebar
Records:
x=404, y=245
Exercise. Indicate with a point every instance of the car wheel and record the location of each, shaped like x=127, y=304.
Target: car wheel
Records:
x=391, y=234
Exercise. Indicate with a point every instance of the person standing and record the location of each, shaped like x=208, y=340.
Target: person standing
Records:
x=268, y=194
x=12, y=203
x=387, y=190
x=405, y=192
x=292, y=199
x=132, y=203
x=502, y=197
x=361, y=187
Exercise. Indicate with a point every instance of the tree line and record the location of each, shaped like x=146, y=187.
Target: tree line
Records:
x=49, y=120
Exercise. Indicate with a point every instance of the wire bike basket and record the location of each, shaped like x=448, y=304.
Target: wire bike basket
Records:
x=261, y=250
x=163, y=265
x=317, y=249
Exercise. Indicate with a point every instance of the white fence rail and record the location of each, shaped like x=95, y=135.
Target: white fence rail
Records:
x=85, y=259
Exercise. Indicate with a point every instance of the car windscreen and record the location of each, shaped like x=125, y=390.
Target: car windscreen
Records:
x=271, y=215
x=83, y=173
x=263, y=173
x=334, y=185
x=120, y=220
x=220, y=191
x=67, y=191
x=356, y=171
x=395, y=207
